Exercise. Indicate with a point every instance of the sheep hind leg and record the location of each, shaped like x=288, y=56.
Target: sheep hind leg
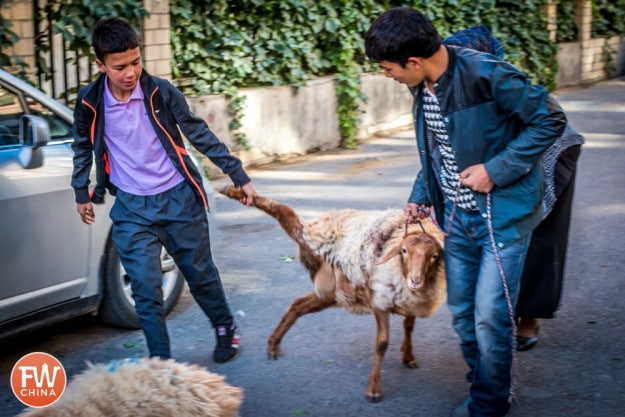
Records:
x=374, y=389
x=406, y=347
x=310, y=303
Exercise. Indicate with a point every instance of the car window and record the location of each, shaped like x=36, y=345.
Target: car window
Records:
x=10, y=112
x=60, y=130
x=11, y=109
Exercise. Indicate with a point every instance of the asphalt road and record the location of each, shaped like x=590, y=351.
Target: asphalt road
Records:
x=577, y=368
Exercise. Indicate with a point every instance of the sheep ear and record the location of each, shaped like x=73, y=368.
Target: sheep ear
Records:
x=391, y=254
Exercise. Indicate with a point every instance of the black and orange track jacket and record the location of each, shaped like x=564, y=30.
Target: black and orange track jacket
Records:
x=172, y=119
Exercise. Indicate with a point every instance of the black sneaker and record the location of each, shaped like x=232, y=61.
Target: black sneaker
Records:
x=227, y=343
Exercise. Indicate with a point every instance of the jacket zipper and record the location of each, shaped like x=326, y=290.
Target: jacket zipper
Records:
x=179, y=152
x=107, y=168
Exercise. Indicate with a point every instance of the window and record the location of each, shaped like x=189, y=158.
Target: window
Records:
x=60, y=130
x=11, y=109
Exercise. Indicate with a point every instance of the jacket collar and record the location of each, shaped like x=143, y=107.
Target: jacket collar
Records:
x=445, y=79
x=95, y=92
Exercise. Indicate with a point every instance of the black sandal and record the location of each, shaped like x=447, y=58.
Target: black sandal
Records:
x=526, y=343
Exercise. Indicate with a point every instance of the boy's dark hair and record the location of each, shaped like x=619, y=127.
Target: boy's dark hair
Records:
x=113, y=35
x=401, y=33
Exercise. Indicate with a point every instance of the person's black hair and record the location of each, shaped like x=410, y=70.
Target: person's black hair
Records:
x=113, y=35
x=401, y=33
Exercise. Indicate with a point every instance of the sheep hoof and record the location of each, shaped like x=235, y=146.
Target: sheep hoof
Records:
x=411, y=364
x=375, y=398
x=235, y=193
x=273, y=353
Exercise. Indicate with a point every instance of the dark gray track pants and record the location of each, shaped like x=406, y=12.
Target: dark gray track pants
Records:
x=178, y=221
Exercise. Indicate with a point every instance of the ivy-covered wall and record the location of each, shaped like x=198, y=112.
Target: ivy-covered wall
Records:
x=223, y=45
x=220, y=46
x=240, y=43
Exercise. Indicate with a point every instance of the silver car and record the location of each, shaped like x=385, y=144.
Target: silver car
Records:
x=52, y=266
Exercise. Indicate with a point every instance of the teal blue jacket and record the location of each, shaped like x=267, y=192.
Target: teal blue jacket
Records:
x=495, y=116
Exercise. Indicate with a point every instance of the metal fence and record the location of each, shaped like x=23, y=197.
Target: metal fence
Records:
x=60, y=71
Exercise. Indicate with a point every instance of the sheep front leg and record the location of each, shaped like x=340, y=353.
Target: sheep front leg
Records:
x=406, y=347
x=307, y=304
x=374, y=389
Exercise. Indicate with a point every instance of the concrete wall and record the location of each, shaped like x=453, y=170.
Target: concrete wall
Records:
x=281, y=122
x=585, y=62
x=569, y=61
x=278, y=121
x=594, y=64
x=388, y=105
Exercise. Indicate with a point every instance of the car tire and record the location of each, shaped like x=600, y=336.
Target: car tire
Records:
x=118, y=307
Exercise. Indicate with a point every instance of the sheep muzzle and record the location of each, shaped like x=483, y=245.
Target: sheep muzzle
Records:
x=414, y=284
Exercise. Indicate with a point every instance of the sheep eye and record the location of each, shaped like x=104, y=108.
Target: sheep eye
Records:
x=404, y=251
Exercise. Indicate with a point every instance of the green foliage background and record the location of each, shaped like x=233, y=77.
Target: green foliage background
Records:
x=223, y=45
x=567, y=27
x=220, y=46
x=608, y=18
x=74, y=20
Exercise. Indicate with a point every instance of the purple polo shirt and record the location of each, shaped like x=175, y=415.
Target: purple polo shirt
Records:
x=138, y=162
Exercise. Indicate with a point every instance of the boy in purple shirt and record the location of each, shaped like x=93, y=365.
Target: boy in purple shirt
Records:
x=130, y=123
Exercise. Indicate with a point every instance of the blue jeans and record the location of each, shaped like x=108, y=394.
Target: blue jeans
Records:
x=480, y=311
x=177, y=220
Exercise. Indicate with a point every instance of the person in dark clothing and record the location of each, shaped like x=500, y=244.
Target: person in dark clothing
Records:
x=132, y=124
x=543, y=272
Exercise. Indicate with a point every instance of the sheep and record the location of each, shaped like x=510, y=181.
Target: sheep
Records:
x=144, y=387
x=365, y=262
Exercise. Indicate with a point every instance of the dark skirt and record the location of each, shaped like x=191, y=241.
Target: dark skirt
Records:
x=543, y=274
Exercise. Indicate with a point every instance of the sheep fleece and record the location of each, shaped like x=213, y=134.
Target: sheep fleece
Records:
x=145, y=388
x=354, y=241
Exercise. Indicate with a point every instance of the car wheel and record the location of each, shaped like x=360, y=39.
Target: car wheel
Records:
x=118, y=307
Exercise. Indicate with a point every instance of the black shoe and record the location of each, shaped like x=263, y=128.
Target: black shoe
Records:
x=227, y=347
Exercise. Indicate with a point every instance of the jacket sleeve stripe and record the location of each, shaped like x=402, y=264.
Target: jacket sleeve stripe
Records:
x=179, y=151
